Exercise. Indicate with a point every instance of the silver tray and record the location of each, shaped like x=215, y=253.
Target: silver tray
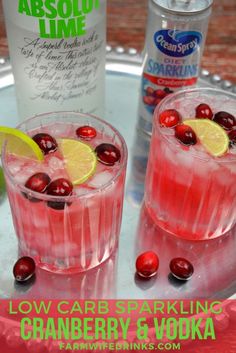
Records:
x=214, y=261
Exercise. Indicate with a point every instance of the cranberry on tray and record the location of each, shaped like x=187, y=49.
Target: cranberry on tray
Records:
x=147, y=264
x=181, y=268
x=24, y=269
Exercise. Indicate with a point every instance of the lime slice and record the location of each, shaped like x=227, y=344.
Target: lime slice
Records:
x=79, y=158
x=19, y=143
x=2, y=183
x=211, y=135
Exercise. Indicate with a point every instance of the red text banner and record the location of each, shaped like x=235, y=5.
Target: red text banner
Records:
x=196, y=326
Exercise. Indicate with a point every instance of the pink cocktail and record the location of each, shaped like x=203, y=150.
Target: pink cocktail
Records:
x=190, y=192
x=80, y=229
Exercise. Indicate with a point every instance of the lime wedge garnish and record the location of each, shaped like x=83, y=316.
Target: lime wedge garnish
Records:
x=19, y=143
x=79, y=158
x=212, y=136
x=2, y=183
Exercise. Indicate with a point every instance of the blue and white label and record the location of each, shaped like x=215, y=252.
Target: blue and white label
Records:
x=177, y=43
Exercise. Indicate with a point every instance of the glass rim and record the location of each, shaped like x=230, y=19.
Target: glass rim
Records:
x=69, y=198
x=172, y=96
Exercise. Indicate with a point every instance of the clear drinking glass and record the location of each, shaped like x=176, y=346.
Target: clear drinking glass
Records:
x=84, y=233
x=189, y=192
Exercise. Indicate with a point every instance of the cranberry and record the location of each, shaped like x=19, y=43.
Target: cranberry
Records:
x=181, y=268
x=159, y=93
x=147, y=264
x=149, y=91
x=203, y=111
x=169, y=118
x=226, y=120
x=149, y=100
x=107, y=154
x=59, y=187
x=46, y=142
x=157, y=101
x=86, y=132
x=185, y=135
x=38, y=182
x=232, y=138
x=24, y=269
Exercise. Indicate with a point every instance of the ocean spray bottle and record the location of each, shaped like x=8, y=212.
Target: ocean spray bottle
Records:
x=175, y=38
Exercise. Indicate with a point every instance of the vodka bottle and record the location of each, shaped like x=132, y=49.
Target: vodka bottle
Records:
x=57, y=50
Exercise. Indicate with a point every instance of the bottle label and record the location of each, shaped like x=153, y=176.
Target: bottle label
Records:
x=63, y=19
x=58, y=63
x=172, y=64
x=177, y=43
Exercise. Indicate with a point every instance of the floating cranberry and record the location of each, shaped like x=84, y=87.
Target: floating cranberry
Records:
x=232, y=138
x=203, y=111
x=46, y=142
x=149, y=100
x=149, y=91
x=86, y=132
x=59, y=187
x=38, y=182
x=170, y=118
x=185, y=135
x=226, y=120
x=24, y=269
x=159, y=93
x=147, y=264
x=181, y=268
x=107, y=154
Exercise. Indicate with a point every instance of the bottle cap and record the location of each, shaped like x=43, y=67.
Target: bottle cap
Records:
x=184, y=7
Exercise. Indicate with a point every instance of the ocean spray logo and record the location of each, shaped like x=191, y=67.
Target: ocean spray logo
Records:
x=177, y=43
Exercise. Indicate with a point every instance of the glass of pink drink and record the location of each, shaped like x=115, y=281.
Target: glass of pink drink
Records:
x=190, y=192
x=79, y=230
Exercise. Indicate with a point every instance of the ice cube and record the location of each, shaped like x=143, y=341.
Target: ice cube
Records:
x=15, y=166
x=55, y=163
x=60, y=130
x=81, y=190
x=100, y=179
x=20, y=178
x=22, y=169
x=184, y=159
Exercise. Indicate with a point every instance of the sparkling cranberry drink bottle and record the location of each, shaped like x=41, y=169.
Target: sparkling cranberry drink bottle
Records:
x=57, y=50
x=175, y=37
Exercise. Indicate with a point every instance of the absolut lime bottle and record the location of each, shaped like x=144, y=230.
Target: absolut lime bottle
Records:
x=57, y=50
x=175, y=37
